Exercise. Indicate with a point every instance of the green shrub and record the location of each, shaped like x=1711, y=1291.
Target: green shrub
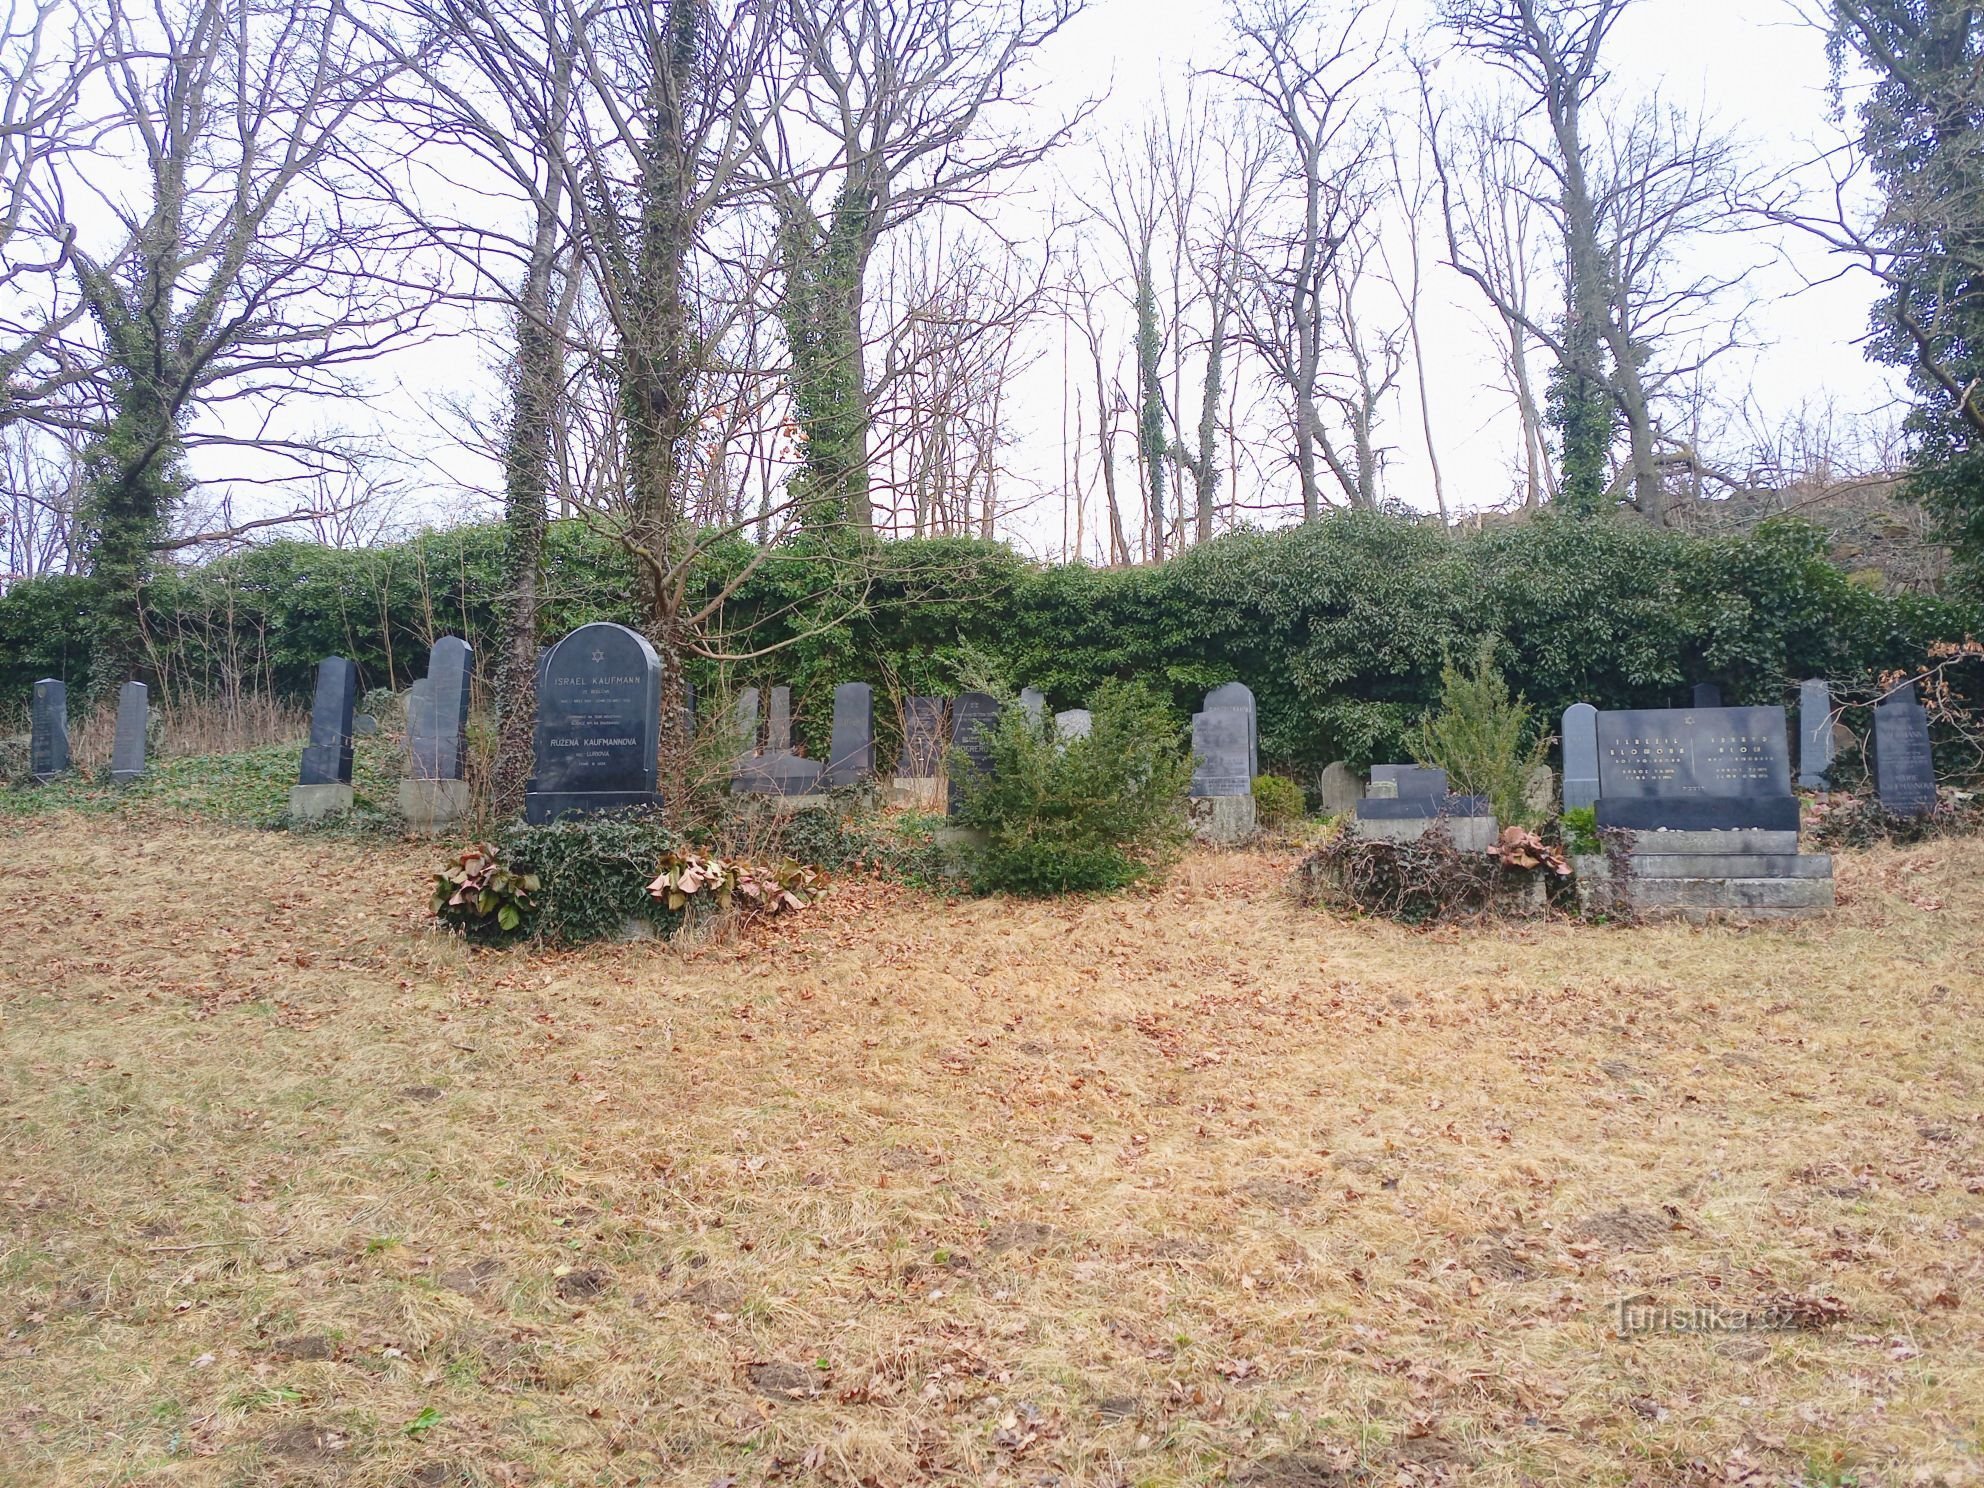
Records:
x=1485, y=740
x=481, y=898
x=1580, y=829
x=1070, y=816
x=1277, y=800
x=593, y=874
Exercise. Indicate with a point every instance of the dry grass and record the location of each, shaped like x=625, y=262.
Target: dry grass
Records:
x=192, y=726
x=1187, y=1187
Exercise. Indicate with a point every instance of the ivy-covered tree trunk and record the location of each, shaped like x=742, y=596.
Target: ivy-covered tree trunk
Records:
x=824, y=264
x=1150, y=417
x=1579, y=398
x=660, y=366
x=527, y=454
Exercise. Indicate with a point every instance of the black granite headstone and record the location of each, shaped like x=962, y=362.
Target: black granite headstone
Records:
x=327, y=757
x=127, y=751
x=598, y=714
x=974, y=718
x=1707, y=695
x=1904, y=768
x=48, y=743
x=852, y=756
x=1414, y=780
x=922, y=738
x=436, y=723
x=1695, y=769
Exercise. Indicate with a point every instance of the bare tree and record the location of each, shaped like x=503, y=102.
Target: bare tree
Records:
x=905, y=106
x=1624, y=199
x=1300, y=64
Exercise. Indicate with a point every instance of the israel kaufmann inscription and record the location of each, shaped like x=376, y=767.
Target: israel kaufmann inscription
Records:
x=1706, y=752
x=598, y=712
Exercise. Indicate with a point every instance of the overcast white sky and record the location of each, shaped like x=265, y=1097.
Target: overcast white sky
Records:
x=1750, y=64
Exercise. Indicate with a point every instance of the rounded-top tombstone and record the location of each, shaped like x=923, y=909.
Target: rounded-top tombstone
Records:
x=598, y=719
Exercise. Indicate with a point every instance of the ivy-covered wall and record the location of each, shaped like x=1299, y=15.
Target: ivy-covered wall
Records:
x=1339, y=627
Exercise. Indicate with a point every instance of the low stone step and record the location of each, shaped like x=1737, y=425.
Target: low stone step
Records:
x=1716, y=865
x=1730, y=893
x=1736, y=841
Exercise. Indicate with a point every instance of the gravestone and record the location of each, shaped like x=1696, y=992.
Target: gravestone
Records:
x=1220, y=740
x=1415, y=782
x=1338, y=788
x=134, y=713
x=744, y=720
x=434, y=740
x=779, y=771
x=48, y=744
x=1034, y=703
x=778, y=726
x=1074, y=723
x=1695, y=769
x=1239, y=695
x=922, y=738
x=598, y=715
x=363, y=725
x=436, y=793
x=851, y=758
x=974, y=717
x=1707, y=695
x=323, y=780
x=1539, y=790
x=1580, y=756
x=918, y=782
x=1815, y=740
x=1904, y=768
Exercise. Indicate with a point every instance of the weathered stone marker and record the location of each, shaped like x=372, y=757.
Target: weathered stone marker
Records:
x=778, y=771
x=1708, y=695
x=918, y=782
x=1034, y=702
x=744, y=720
x=1815, y=741
x=323, y=781
x=1338, y=788
x=48, y=743
x=1224, y=740
x=598, y=717
x=1539, y=790
x=134, y=714
x=851, y=757
x=1239, y=695
x=436, y=793
x=1580, y=756
x=974, y=717
x=1073, y=723
x=1904, y=767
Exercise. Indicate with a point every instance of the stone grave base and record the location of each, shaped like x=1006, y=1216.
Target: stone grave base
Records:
x=929, y=794
x=315, y=802
x=1222, y=820
x=433, y=805
x=1469, y=833
x=1747, y=874
x=125, y=777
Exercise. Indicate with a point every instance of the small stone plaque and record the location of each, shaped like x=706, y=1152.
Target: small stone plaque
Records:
x=1904, y=767
x=327, y=757
x=1074, y=723
x=134, y=712
x=1034, y=702
x=48, y=743
x=598, y=715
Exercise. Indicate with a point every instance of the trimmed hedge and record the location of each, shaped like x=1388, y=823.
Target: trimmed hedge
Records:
x=1339, y=626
